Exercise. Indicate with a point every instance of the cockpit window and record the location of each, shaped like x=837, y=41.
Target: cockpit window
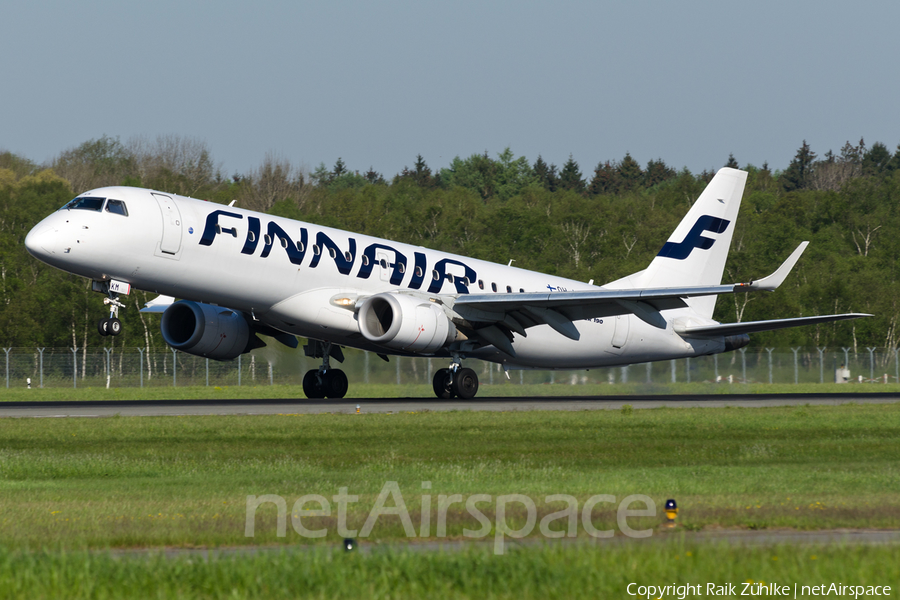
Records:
x=116, y=207
x=85, y=203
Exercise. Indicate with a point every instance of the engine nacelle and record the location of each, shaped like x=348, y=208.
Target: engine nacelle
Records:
x=405, y=323
x=205, y=330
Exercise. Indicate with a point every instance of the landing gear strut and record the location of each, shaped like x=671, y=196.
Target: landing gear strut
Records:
x=455, y=382
x=111, y=325
x=325, y=382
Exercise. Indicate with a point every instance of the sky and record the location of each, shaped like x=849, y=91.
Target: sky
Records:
x=377, y=83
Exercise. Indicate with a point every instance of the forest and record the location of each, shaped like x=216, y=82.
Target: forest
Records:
x=598, y=225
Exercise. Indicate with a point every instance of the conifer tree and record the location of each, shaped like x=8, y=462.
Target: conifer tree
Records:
x=799, y=173
x=570, y=176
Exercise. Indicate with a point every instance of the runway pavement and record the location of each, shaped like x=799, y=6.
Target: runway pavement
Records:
x=679, y=537
x=398, y=405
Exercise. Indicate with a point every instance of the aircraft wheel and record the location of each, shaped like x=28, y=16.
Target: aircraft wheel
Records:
x=103, y=327
x=336, y=384
x=443, y=384
x=114, y=327
x=465, y=383
x=311, y=386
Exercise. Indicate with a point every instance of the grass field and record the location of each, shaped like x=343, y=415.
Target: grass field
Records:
x=184, y=481
x=531, y=572
x=20, y=394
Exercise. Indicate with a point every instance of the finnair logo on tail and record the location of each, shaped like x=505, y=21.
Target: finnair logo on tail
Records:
x=694, y=239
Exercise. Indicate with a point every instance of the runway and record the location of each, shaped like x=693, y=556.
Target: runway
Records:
x=680, y=538
x=147, y=408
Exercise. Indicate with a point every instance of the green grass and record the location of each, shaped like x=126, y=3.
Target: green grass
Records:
x=529, y=572
x=184, y=481
x=20, y=394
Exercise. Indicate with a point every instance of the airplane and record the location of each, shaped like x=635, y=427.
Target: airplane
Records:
x=239, y=273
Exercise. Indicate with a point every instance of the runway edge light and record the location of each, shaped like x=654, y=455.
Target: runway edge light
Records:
x=671, y=513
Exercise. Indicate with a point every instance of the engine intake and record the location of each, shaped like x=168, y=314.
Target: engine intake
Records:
x=205, y=330
x=405, y=323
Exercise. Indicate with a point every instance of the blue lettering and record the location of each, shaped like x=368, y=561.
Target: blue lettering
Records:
x=295, y=254
x=252, y=236
x=440, y=267
x=343, y=265
x=398, y=266
x=418, y=275
x=213, y=228
x=296, y=251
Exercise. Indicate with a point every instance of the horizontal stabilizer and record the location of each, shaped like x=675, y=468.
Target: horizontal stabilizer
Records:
x=754, y=326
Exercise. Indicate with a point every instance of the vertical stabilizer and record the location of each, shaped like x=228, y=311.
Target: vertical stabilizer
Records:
x=696, y=251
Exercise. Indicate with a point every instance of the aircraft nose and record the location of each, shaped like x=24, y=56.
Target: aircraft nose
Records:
x=41, y=241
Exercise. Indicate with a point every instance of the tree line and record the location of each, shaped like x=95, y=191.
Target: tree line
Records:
x=545, y=218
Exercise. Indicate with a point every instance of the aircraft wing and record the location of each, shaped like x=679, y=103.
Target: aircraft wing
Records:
x=494, y=316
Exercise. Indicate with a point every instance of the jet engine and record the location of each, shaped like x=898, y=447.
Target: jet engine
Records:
x=205, y=330
x=405, y=323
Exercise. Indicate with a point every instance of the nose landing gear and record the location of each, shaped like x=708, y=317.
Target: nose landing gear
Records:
x=111, y=325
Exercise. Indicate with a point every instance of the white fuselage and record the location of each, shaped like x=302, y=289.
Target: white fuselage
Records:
x=286, y=273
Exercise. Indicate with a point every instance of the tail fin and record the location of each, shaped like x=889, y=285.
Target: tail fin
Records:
x=696, y=251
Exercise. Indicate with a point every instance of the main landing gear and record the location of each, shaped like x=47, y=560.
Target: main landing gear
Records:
x=111, y=325
x=325, y=382
x=455, y=382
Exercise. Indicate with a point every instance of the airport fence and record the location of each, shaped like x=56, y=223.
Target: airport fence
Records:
x=135, y=367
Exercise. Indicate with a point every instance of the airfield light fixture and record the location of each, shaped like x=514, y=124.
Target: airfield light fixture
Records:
x=671, y=512
x=349, y=544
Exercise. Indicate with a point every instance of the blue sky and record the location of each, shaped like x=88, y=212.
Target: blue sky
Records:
x=377, y=83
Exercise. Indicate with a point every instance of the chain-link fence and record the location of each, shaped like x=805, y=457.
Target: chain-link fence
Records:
x=113, y=367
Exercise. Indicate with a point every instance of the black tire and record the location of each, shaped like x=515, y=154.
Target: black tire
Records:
x=465, y=384
x=311, y=386
x=114, y=327
x=336, y=384
x=443, y=384
x=103, y=327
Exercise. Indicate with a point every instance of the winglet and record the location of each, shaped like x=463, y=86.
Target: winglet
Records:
x=771, y=283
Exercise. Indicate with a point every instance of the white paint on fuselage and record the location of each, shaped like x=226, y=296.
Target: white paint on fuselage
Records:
x=295, y=298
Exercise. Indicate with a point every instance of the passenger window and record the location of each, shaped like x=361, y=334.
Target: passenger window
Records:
x=521, y=291
x=435, y=275
x=117, y=207
x=480, y=284
x=85, y=203
x=401, y=267
x=365, y=260
x=267, y=240
x=299, y=246
x=419, y=272
x=348, y=257
x=494, y=287
x=508, y=290
x=284, y=242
